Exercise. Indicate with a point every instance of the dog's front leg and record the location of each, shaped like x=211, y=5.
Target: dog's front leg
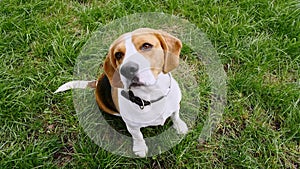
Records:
x=139, y=146
x=179, y=124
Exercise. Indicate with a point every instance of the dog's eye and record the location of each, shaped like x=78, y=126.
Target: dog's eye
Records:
x=146, y=46
x=119, y=55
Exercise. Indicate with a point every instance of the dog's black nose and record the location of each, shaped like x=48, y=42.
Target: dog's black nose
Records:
x=129, y=70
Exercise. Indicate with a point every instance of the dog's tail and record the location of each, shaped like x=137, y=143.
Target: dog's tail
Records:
x=77, y=84
x=102, y=92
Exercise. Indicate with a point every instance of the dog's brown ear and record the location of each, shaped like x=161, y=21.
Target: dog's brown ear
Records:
x=172, y=47
x=111, y=72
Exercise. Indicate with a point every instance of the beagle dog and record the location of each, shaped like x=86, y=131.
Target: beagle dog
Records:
x=137, y=84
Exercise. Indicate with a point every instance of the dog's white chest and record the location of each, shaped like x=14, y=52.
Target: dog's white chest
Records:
x=153, y=114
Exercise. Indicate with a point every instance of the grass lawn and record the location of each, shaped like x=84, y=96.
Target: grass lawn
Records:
x=257, y=40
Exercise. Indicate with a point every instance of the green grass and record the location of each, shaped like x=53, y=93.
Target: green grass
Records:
x=257, y=41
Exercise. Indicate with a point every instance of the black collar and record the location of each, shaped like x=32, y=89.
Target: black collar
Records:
x=141, y=102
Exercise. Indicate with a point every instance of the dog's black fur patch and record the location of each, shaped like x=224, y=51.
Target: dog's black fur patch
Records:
x=104, y=92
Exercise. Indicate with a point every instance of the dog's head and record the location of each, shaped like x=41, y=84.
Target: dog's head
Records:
x=137, y=58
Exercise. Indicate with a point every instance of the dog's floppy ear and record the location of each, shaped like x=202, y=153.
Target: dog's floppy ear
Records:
x=111, y=72
x=172, y=47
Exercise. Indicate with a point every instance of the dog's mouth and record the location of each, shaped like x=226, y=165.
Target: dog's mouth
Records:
x=135, y=82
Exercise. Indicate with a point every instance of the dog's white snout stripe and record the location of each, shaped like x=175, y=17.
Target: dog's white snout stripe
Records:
x=130, y=48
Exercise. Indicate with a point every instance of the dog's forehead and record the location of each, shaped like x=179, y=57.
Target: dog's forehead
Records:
x=137, y=37
x=144, y=35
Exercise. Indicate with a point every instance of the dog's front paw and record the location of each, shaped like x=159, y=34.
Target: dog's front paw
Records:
x=140, y=148
x=180, y=127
